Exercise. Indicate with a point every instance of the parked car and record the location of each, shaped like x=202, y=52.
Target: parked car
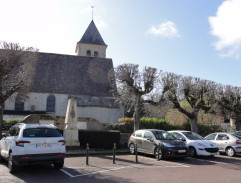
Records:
x=197, y=145
x=238, y=133
x=228, y=143
x=148, y=140
x=32, y=144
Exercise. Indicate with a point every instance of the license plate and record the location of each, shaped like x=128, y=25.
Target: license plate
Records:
x=181, y=151
x=43, y=145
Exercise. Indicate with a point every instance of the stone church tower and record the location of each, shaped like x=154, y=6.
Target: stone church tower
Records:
x=91, y=44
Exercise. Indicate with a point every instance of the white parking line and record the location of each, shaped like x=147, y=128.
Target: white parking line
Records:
x=178, y=164
x=175, y=165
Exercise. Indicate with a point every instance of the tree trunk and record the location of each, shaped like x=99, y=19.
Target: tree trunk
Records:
x=1, y=119
x=238, y=122
x=137, y=114
x=194, y=127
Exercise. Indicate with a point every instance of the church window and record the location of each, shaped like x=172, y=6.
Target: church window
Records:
x=88, y=53
x=51, y=103
x=95, y=54
x=19, y=104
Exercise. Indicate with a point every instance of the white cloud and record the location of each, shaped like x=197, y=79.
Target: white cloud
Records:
x=166, y=29
x=101, y=25
x=226, y=26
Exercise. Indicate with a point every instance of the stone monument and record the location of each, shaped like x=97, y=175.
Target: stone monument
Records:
x=71, y=133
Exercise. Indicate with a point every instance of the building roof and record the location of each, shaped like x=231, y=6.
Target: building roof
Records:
x=73, y=75
x=92, y=36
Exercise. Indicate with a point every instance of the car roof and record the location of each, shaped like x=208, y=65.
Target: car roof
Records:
x=179, y=131
x=149, y=130
x=23, y=125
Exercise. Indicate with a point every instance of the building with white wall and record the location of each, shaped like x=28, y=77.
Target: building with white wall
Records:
x=84, y=76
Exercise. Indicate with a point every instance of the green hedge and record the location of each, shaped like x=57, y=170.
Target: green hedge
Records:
x=126, y=125
x=8, y=123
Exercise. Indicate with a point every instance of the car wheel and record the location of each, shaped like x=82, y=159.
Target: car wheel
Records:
x=192, y=152
x=160, y=154
x=11, y=165
x=230, y=151
x=131, y=149
x=58, y=165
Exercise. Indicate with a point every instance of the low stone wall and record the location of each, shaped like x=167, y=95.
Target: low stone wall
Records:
x=91, y=124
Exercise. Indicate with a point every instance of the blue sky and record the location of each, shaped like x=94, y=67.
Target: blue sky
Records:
x=200, y=38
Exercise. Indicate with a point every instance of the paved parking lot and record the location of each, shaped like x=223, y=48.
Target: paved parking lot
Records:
x=101, y=169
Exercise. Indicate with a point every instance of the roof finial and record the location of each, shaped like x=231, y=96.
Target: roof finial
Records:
x=92, y=11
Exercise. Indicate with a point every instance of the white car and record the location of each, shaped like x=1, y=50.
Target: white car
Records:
x=33, y=144
x=197, y=145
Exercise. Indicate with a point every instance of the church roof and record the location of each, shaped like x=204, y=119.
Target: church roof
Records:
x=73, y=75
x=92, y=35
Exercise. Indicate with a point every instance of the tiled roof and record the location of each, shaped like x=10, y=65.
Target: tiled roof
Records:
x=73, y=75
x=92, y=36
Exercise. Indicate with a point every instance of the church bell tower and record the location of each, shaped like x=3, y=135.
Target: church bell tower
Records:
x=91, y=44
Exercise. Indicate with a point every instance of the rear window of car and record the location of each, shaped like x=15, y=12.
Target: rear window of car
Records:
x=41, y=132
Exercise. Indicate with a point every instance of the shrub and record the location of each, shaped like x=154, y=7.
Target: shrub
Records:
x=8, y=123
x=203, y=129
x=126, y=125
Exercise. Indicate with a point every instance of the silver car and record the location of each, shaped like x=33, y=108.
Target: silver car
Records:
x=228, y=143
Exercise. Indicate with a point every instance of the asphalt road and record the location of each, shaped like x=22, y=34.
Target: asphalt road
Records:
x=220, y=169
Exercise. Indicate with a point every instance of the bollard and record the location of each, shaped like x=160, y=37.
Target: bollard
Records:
x=87, y=154
x=136, y=152
x=114, y=152
x=158, y=152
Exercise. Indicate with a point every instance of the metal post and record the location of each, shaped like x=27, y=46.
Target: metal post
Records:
x=114, y=152
x=136, y=152
x=87, y=154
x=158, y=152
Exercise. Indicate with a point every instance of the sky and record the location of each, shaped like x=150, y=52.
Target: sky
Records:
x=200, y=38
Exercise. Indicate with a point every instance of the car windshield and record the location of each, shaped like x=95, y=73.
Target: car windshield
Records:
x=163, y=135
x=41, y=132
x=193, y=136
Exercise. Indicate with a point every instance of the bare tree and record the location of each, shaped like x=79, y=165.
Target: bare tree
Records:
x=133, y=87
x=198, y=94
x=230, y=102
x=17, y=66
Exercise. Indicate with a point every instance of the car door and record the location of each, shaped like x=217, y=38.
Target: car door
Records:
x=138, y=139
x=10, y=139
x=148, y=142
x=211, y=137
x=222, y=141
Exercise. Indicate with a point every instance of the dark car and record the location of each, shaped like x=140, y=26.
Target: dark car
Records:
x=147, y=141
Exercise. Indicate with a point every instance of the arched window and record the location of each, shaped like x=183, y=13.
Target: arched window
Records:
x=95, y=54
x=88, y=53
x=19, y=104
x=51, y=103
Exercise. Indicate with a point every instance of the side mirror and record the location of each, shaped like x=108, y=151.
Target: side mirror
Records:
x=150, y=139
x=183, y=139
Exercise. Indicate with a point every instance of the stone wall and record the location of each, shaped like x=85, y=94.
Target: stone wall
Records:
x=91, y=124
x=38, y=102
x=83, y=48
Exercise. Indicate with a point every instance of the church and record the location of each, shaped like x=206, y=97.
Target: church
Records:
x=84, y=77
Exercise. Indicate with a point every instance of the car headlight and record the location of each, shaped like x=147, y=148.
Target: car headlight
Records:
x=167, y=144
